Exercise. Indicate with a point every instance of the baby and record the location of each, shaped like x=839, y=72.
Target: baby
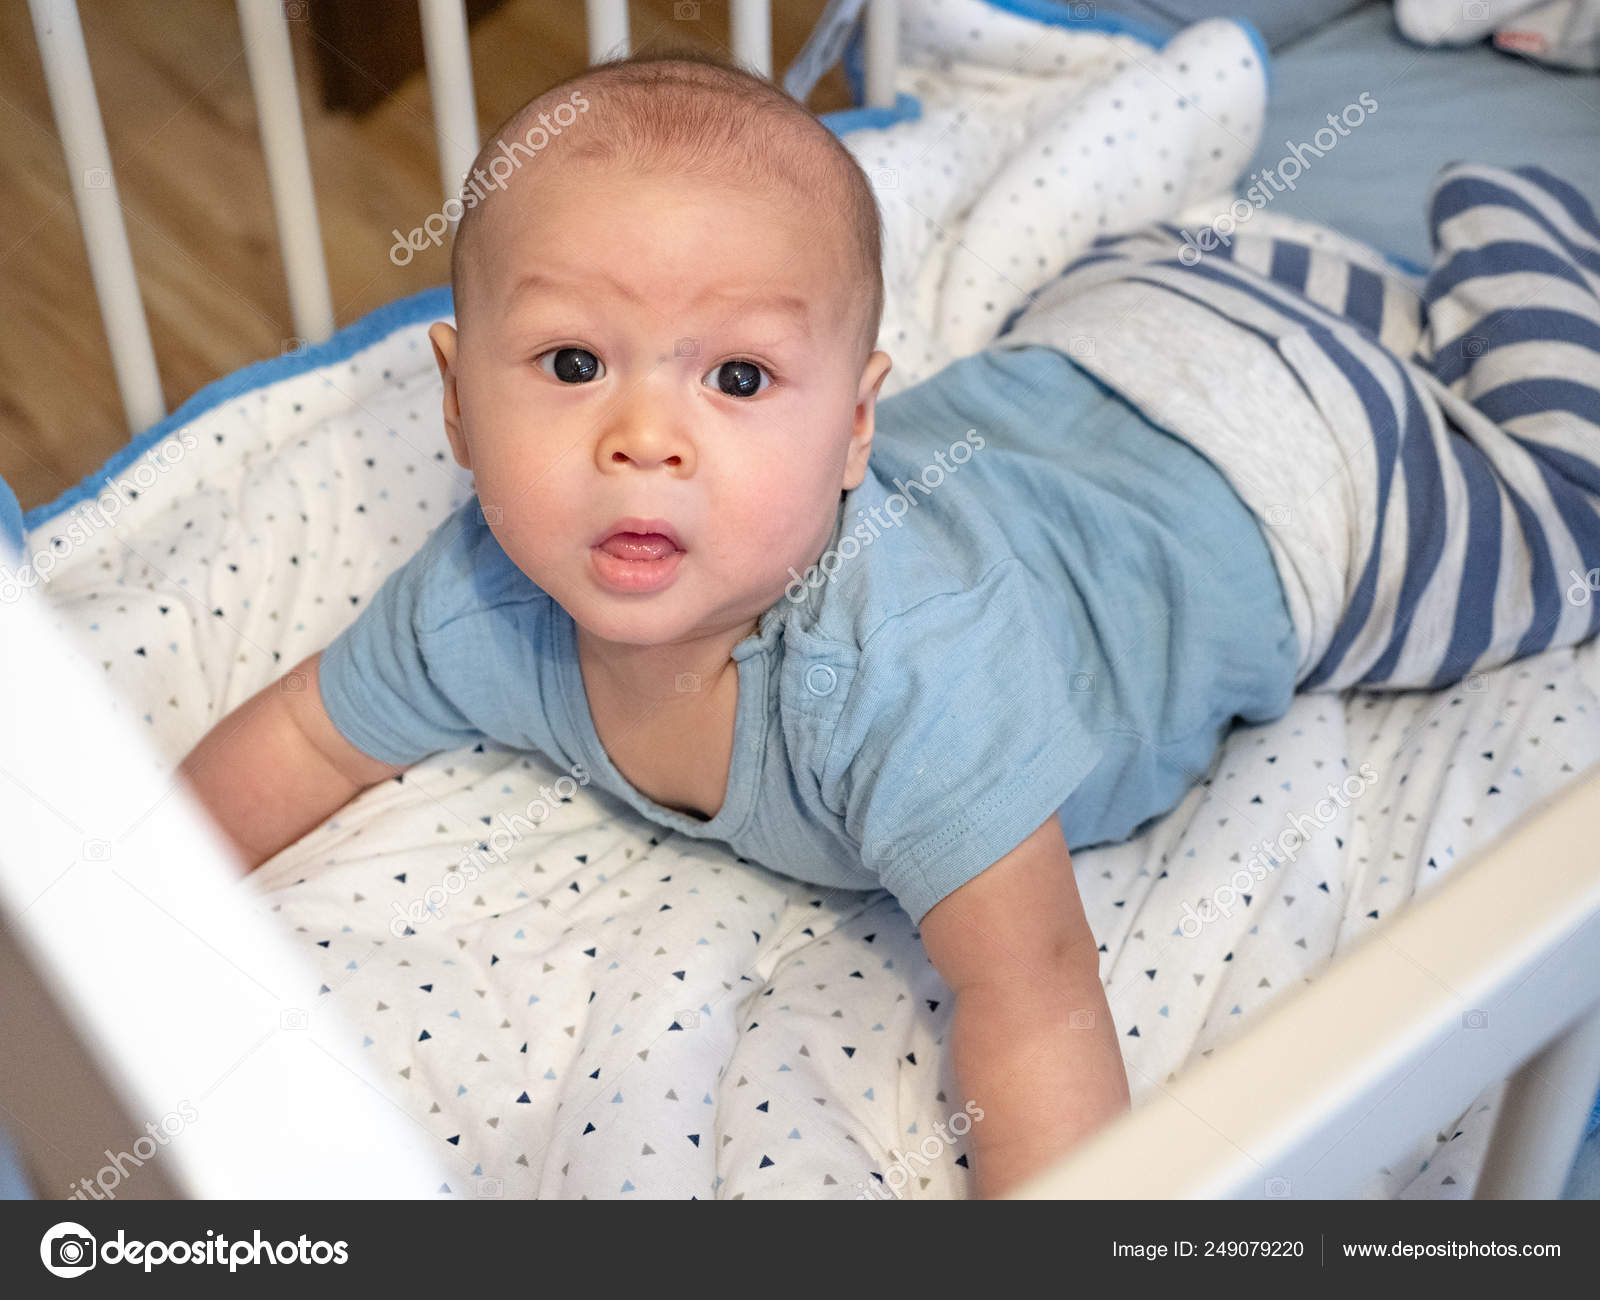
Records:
x=922, y=645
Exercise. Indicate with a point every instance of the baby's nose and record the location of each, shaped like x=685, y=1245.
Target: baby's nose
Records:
x=644, y=443
x=645, y=457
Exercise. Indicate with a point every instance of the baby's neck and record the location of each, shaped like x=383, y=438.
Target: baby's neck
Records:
x=646, y=676
x=666, y=714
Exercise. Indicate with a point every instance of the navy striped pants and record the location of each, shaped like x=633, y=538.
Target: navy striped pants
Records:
x=1461, y=528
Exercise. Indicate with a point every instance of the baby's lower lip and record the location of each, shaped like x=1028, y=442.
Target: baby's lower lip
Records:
x=636, y=562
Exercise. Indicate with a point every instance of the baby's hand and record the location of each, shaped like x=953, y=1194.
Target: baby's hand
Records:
x=276, y=767
x=1035, y=1047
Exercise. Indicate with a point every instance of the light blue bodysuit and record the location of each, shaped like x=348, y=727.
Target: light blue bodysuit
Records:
x=1035, y=601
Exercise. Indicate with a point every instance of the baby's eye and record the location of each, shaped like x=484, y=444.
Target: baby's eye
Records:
x=739, y=378
x=572, y=365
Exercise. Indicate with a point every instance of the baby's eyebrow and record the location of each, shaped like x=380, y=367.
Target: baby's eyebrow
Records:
x=747, y=307
x=740, y=303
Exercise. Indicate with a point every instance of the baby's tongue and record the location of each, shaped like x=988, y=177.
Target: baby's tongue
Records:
x=638, y=546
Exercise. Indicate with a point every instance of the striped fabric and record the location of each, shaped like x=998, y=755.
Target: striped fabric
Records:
x=1466, y=406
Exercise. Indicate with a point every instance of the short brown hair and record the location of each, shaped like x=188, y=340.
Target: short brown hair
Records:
x=695, y=114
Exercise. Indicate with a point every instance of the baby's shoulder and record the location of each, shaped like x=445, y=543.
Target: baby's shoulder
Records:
x=918, y=621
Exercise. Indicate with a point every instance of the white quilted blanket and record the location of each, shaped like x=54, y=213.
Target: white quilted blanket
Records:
x=609, y=1012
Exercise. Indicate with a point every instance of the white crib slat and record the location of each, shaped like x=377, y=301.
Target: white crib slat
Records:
x=94, y=190
x=455, y=113
x=148, y=975
x=750, y=25
x=608, y=29
x=283, y=141
x=883, y=42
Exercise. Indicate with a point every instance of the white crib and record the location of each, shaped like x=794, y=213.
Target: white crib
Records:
x=1336, y=1078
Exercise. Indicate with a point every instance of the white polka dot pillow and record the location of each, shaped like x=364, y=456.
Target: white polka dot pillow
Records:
x=1019, y=144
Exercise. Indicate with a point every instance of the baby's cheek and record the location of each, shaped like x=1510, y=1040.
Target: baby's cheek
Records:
x=779, y=526
x=528, y=523
x=516, y=475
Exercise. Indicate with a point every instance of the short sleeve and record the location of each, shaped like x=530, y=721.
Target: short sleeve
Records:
x=959, y=738
x=377, y=684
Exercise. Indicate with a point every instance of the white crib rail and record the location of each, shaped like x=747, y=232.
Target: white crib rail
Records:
x=751, y=29
x=883, y=52
x=283, y=142
x=608, y=29
x=455, y=112
x=750, y=25
x=283, y=139
x=94, y=190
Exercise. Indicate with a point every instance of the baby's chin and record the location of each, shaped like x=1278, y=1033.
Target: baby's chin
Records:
x=691, y=605
x=659, y=620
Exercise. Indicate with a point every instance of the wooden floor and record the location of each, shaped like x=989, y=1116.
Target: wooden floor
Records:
x=175, y=97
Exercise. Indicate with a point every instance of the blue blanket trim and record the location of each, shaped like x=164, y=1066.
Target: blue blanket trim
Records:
x=14, y=1184
x=1053, y=13
x=1251, y=31
x=10, y=522
x=907, y=108
x=1059, y=13
x=430, y=304
x=1404, y=263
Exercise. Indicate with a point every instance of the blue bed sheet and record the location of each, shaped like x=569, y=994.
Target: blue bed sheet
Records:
x=1435, y=106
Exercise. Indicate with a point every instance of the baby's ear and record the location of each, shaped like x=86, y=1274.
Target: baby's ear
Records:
x=444, y=339
x=872, y=377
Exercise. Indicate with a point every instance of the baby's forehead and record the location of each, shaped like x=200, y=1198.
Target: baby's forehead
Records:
x=731, y=232
x=780, y=175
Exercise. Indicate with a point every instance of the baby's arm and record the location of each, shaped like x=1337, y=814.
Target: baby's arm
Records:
x=1034, y=1042
x=277, y=766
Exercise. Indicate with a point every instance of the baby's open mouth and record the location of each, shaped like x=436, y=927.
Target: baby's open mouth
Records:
x=638, y=546
x=637, y=555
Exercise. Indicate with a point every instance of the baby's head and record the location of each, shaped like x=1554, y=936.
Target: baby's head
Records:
x=662, y=373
